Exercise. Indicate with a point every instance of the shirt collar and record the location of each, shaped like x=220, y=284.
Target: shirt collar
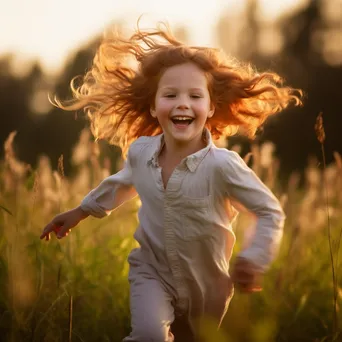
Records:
x=192, y=161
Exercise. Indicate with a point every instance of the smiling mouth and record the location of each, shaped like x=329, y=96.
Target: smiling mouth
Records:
x=182, y=122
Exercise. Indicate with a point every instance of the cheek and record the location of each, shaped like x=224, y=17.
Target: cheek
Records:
x=202, y=107
x=163, y=104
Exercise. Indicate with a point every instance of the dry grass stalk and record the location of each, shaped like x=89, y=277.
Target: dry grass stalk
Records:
x=320, y=134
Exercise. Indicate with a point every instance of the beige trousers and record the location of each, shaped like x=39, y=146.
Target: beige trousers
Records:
x=152, y=308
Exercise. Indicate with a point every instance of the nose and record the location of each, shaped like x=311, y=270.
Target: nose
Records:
x=183, y=106
x=183, y=103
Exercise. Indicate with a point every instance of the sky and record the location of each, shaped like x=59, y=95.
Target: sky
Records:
x=51, y=30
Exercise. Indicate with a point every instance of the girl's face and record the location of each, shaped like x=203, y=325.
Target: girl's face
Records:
x=182, y=103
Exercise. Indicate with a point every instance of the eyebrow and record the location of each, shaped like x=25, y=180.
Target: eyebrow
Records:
x=174, y=88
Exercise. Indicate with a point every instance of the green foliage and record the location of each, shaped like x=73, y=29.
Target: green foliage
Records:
x=87, y=272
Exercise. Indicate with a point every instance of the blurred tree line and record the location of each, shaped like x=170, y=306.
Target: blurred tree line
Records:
x=304, y=47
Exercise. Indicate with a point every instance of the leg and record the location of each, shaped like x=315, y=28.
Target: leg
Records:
x=182, y=330
x=151, y=310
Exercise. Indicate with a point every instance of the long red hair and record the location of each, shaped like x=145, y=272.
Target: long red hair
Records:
x=119, y=90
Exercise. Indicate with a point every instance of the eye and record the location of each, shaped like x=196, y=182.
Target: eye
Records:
x=195, y=96
x=170, y=95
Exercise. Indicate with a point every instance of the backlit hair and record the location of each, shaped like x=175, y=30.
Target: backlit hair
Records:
x=119, y=89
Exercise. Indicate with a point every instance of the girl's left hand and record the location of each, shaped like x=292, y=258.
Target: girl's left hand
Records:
x=246, y=277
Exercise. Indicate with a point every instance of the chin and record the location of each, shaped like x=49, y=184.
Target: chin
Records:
x=183, y=136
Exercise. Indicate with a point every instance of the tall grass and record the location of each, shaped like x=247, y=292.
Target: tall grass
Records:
x=76, y=289
x=334, y=246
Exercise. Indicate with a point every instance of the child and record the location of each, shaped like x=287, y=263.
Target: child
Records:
x=164, y=112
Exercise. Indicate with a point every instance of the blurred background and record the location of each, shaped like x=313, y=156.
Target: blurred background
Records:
x=77, y=289
x=44, y=43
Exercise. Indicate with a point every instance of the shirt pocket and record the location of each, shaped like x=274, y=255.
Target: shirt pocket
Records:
x=195, y=222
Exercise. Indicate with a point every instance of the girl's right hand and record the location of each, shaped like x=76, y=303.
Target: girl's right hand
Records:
x=246, y=276
x=62, y=223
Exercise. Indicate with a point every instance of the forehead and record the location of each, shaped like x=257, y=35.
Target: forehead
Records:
x=183, y=75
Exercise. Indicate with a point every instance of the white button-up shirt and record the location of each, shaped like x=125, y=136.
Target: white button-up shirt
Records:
x=185, y=229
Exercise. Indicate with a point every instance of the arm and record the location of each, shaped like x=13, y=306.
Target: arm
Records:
x=243, y=185
x=111, y=193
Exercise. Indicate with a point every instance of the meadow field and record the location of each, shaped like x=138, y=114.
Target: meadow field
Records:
x=76, y=289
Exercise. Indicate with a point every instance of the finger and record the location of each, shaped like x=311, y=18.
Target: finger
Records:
x=47, y=230
x=257, y=289
x=248, y=287
x=63, y=231
x=66, y=233
x=57, y=230
x=242, y=287
x=252, y=289
x=243, y=278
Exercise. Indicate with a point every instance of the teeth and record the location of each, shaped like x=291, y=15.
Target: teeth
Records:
x=182, y=118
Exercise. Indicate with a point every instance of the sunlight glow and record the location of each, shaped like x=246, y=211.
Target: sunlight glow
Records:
x=50, y=30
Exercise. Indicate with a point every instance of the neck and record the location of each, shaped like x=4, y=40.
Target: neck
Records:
x=176, y=152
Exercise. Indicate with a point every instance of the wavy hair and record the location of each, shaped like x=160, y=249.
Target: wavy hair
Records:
x=119, y=89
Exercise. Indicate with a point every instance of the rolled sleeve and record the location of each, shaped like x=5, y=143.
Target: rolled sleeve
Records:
x=243, y=185
x=102, y=200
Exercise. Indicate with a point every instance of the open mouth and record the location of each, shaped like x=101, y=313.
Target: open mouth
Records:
x=182, y=121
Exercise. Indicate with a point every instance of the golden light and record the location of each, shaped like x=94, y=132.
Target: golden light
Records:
x=50, y=30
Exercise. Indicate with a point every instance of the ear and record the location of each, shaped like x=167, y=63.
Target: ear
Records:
x=153, y=113
x=211, y=112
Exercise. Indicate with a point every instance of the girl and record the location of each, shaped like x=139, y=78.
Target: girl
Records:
x=163, y=103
